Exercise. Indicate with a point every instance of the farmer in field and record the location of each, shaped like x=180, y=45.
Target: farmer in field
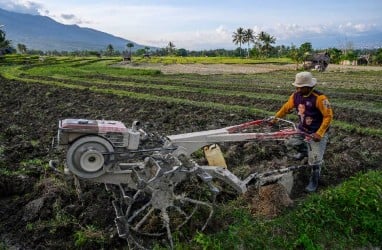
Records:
x=315, y=115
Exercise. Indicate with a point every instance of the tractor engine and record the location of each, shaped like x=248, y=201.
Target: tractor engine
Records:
x=94, y=143
x=116, y=132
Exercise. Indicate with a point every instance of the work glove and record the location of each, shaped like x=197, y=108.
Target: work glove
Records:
x=271, y=124
x=272, y=120
x=316, y=137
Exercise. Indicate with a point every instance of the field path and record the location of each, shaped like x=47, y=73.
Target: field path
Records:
x=209, y=69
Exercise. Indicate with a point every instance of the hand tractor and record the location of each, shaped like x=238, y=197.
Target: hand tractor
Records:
x=149, y=174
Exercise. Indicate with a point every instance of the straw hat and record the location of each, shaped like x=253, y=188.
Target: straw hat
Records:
x=304, y=79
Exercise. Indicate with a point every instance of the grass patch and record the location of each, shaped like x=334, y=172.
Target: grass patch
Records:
x=344, y=217
x=89, y=235
x=210, y=60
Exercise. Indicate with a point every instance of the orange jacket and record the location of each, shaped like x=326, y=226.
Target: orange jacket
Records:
x=314, y=111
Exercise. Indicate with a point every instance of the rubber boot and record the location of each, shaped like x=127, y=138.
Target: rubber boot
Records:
x=313, y=181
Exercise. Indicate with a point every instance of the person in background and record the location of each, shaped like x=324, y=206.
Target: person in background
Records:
x=315, y=115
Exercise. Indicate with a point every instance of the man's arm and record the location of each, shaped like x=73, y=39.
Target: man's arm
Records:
x=286, y=108
x=326, y=110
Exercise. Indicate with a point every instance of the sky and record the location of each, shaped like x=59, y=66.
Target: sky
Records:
x=210, y=24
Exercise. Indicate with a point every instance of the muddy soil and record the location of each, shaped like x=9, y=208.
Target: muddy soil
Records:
x=40, y=210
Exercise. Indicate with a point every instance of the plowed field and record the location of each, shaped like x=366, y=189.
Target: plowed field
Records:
x=39, y=210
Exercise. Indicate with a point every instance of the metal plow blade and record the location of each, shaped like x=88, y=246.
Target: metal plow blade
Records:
x=168, y=197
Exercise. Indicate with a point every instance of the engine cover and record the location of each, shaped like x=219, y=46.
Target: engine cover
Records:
x=71, y=129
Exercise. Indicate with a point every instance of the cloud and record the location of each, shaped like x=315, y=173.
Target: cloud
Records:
x=286, y=31
x=290, y=31
x=356, y=28
x=65, y=18
x=35, y=8
x=219, y=37
x=70, y=19
x=222, y=32
x=257, y=29
x=21, y=6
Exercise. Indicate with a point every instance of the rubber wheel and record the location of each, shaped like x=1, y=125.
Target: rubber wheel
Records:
x=89, y=156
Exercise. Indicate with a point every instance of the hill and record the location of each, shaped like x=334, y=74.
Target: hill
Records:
x=43, y=33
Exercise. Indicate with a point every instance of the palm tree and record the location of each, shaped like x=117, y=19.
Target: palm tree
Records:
x=265, y=42
x=130, y=45
x=248, y=38
x=22, y=48
x=110, y=50
x=238, y=37
x=170, y=47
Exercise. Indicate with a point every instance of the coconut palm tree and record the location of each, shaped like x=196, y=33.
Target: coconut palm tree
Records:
x=248, y=38
x=238, y=37
x=22, y=48
x=265, y=42
x=170, y=47
x=109, y=50
x=130, y=45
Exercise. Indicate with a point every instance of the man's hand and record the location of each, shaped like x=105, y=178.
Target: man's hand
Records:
x=272, y=120
x=316, y=137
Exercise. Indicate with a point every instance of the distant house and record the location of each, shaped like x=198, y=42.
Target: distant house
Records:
x=4, y=51
x=363, y=60
x=317, y=61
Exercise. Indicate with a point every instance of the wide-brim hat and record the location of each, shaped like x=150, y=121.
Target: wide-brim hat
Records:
x=304, y=79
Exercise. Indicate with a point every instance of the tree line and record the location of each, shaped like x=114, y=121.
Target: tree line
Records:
x=262, y=42
x=259, y=45
x=263, y=48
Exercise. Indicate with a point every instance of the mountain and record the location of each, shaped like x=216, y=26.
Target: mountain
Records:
x=43, y=33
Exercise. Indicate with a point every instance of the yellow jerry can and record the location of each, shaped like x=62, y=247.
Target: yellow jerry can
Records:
x=214, y=156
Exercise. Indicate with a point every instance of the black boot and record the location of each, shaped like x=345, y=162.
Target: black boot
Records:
x=313, y=181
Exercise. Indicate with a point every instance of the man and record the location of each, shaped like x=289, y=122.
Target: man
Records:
x=315, y=115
